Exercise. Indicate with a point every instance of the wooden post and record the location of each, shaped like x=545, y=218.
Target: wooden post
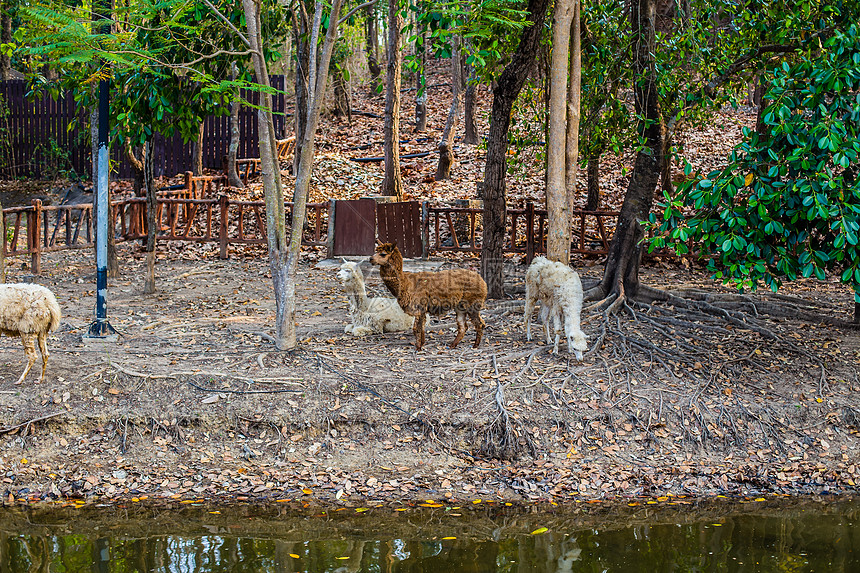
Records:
x=425, y=229
x=189, y=185
x=36, y=238
x=530, y=232
x=329, y=240
x=222, y=227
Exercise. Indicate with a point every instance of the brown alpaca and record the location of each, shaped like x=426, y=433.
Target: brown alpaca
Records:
x=460, y=290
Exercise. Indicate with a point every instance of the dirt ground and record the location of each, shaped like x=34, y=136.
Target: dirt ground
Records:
x=194, y=402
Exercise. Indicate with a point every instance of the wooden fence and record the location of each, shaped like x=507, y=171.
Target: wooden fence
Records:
x=202, y=212
x=458, y=229
x=36, y=138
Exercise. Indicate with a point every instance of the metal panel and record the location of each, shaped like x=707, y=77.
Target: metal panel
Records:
x=354, y=227
x=401, y=223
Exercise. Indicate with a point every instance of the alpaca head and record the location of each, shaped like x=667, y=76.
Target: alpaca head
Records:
x=387, y=253
x=577, y=341
x=350, y=273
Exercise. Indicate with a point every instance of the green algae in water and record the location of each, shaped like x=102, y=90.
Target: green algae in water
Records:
x=804, y=535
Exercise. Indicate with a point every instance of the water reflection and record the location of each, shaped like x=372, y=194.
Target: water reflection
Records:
x=807, y=536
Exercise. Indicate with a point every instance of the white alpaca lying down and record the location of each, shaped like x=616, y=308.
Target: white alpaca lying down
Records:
x=369, y=315
x=559, y=290
x=31, y=312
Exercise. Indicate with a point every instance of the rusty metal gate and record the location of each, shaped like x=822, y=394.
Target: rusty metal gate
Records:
x=354, y=227
x=401, y=223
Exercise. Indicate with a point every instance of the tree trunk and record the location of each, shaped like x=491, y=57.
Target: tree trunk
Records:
x=392, y=183
x=300, y=32
x=470, y=137
x=342, y=104
x=6, y=38
x=137, y=168
x=151, y=221
x=446, y=144
x=507, y=89
x=421, y=88
x=372, y=49
x=233, y=147
x=574, y=109
x=197, y=153
x=593, y=177
x=558, y=213
x=621, y=274
x=283, y=257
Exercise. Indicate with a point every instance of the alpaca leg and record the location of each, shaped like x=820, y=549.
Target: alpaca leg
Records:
x=43, y=348
x=479, y=324
x=545, y=309
x=530, y=307
x=418, y=331
x=30, y=351
x=461, y=328
x=556, y=324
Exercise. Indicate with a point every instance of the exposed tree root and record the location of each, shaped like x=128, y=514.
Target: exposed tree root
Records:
x=691, y=346
x=505, y=438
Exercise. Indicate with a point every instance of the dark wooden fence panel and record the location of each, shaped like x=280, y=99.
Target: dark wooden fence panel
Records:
x=401, y=223
x=354, y=227
x=29, y=127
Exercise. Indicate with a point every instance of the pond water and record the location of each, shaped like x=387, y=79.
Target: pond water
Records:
x=678, y=535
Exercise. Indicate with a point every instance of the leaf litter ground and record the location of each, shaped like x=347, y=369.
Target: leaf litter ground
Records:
x=194, y=402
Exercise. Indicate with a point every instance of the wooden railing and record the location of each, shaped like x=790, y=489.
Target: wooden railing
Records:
x=458, y=229
x=36, y=228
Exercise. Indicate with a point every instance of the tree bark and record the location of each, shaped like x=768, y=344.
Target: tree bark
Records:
x=446, y=144
x=558, y=213
x=621, y=274
x=197, y=153
x=372, y=49
x=420, y=88
x=283, y=256
x=507, y=89
x=574, y=109
x=470, y=136
x=392, y=183
x=233, y=148
x=6, y=38
x=300, y=32
x=592, y=203
x=342, y=103
x=151, y=221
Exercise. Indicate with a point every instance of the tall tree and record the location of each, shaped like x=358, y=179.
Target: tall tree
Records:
x=284, y=254
x=372, y=48
x=557, y=204
x=621, y=273
x=446, y=143
x=392, y=181
x=505, y=92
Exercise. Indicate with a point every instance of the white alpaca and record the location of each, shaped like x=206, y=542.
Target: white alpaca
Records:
x=559, y=290
x=369, y=315
x=31, y=312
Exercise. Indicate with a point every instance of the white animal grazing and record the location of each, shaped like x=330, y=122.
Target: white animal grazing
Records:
x=31, y=312
x=559, y=290
x=369, y=315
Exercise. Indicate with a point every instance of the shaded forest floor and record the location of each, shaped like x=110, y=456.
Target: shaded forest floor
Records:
x=193, y=401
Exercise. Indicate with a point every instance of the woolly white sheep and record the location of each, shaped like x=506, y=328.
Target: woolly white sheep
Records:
x=31, y=312
x=559, y=290
x=369, y=315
